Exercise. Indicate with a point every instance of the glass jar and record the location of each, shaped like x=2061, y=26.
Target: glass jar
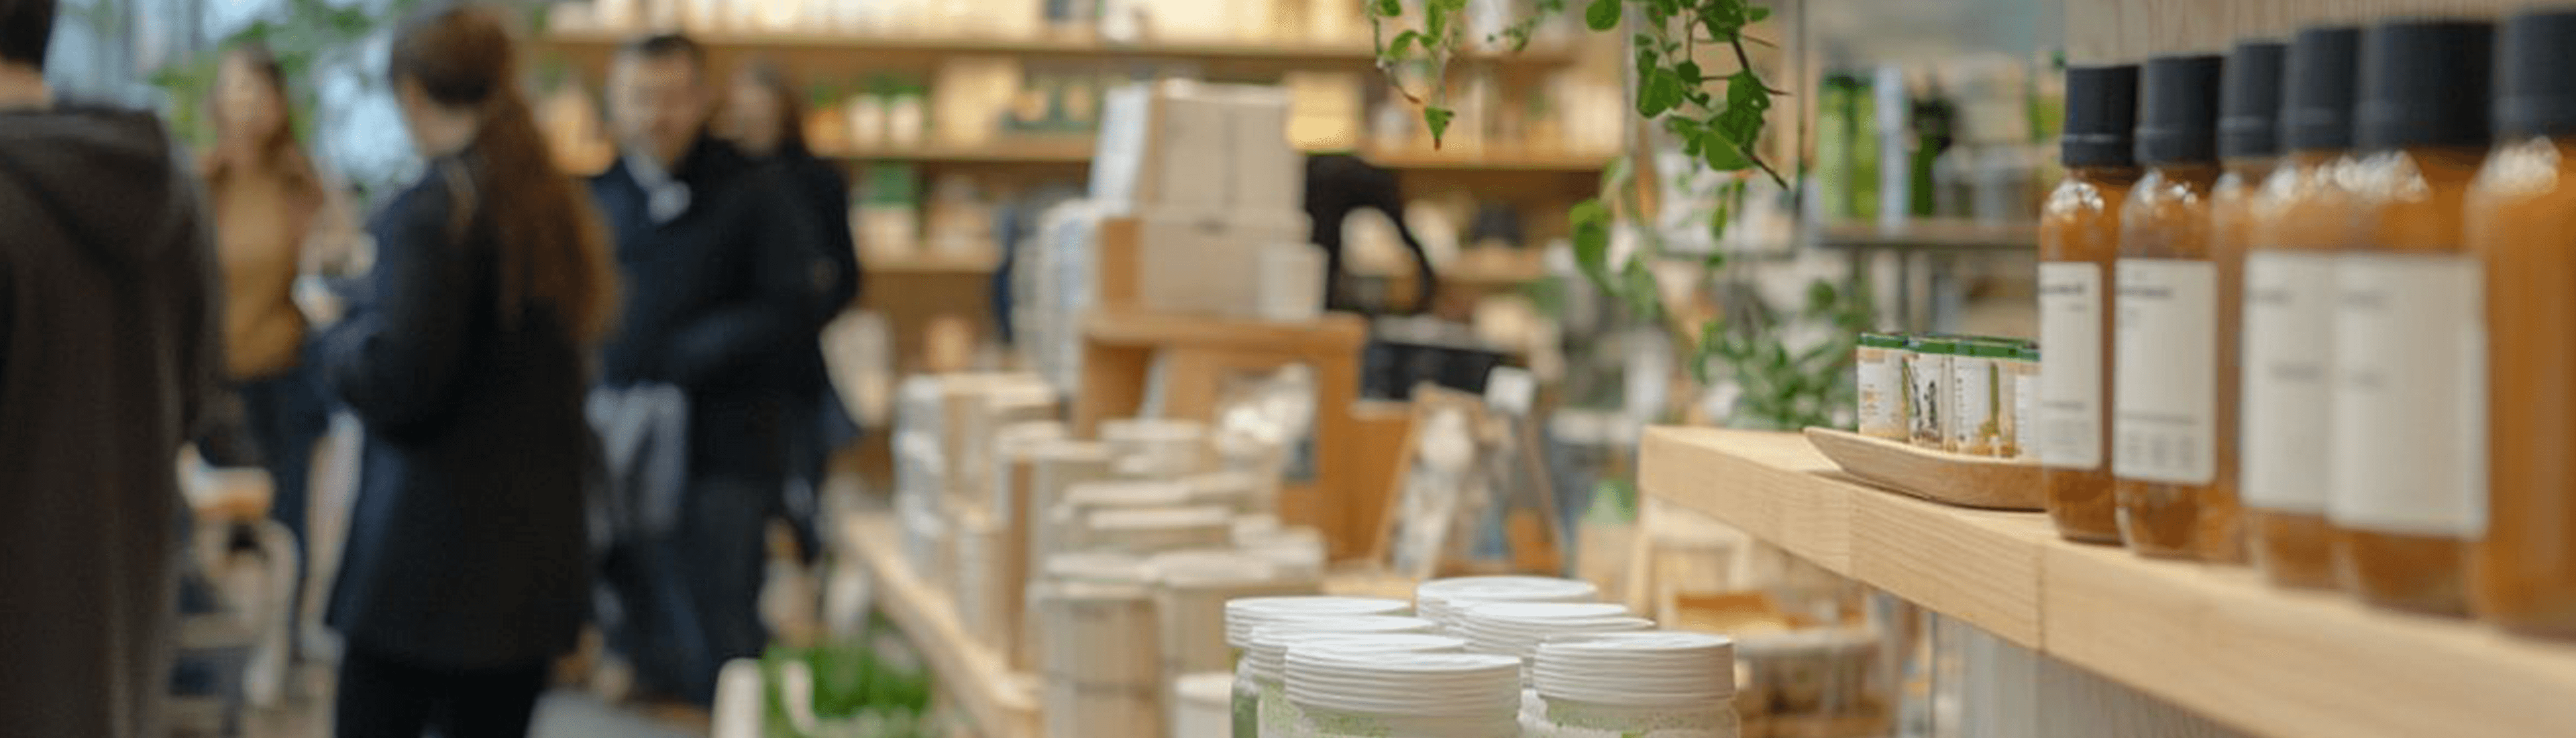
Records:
x=2079, y=238
x=2407, y=457
x=1928, y=400
x=2164, y=392
x=2248, y=141
x=2522, y=572
x=1880, y=363
x=2301, y=216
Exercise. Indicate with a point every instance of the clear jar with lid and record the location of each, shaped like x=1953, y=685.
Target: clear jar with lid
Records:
x=2408, y=462
x=1879, y=360
x=2079, y=238
x=1927, y=383
x=2301, y=217
x=2522, y=572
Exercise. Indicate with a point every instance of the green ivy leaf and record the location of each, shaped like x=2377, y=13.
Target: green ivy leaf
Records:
x=1387, y=8
x=1637, y=286
x=1395, y=50
x=1590, y=221
x=1756, y=14
x=1689, y=71
x=1662, y=90
x=1438, y=119
x=1601, y=15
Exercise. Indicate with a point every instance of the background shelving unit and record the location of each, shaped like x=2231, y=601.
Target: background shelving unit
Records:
x=2212, y=639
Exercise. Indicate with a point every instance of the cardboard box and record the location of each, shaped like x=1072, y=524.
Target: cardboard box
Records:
x=1179, y=144
x=1210, y=264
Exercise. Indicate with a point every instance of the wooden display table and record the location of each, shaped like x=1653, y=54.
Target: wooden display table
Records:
x=1002, y=704
x=2212, y=639
x=1119, y=349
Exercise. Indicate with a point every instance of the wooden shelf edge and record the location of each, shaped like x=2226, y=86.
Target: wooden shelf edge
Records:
x=1334, y=333
x=2212, y=639
x=998, y=699
x=1079, y=152
x=1212, y=49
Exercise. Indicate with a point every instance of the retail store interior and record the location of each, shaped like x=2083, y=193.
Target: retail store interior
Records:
x=1289, y=368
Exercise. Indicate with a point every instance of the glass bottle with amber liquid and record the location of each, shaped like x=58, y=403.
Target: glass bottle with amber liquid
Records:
x=2164, y=391
x=2407, y=449
x=2249, y=141
x=2301, y=217
x=2522, y=224
x=2079, y=238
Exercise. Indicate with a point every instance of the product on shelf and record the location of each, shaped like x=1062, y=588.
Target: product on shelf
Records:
x=1151, y=448
x=1879, y=361
x=1202, y=705
x=2408, y=455
x=2248, y=144
x=2022, y=377
x=1349, y=692
x=1622, y=684
x=1440, y=599
x=1929, y=401
x=1516, y=628
x=1102, y=663
x=2079, y=237
x=1191, y=589
x=2523, y=574
x=1977, y=415
x=2164, y=385
x=2301, y=217
x=1261, y=706
x=1151, y=530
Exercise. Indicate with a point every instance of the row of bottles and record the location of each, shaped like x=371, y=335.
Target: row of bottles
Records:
x=2314, y=304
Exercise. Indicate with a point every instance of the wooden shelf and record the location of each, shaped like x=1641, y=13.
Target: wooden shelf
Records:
x=1002, y=703
x=1335, y=333
x=818, y=55
x=2212, y=639
x=1940, y=234
x=927, y=263
x=1055, y=150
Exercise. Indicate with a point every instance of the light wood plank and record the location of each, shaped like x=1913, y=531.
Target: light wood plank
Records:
x=1764, y=483
x=1001, y=702
x=1979, y=566
x=2106, y=31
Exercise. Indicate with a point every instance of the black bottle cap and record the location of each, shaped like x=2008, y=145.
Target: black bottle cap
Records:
x=2535, y=75
x=2424, y=83
x=2249, y=102
x=2178, y=110
x=2325, y=82
x=2101, y=116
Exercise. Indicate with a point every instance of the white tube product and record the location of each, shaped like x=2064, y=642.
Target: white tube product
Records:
x=1356, y=693
x=1261, y=706
x=1661, y=684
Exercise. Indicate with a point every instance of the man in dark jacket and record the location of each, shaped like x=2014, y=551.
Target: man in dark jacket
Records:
x=107, y=347
x=725, y=283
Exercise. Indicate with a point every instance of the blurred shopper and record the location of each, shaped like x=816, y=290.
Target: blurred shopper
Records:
x=467, y=568
x=763, y=118
x=267, y=202
x=108, y=348
x=727, y=290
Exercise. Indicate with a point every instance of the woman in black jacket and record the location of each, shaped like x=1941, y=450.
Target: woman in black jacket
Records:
x=762, y=117
x=467, y=568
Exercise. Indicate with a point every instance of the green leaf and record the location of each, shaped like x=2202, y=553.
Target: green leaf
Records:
x=1438, y=119
x=1590, y=221
x=1689, y=72
x=1756, y=14
x=1404, y=42
x=1712, y=343
x=1601, y=15
x=1661, y=91
x=1637, y=286
x=1387, y=8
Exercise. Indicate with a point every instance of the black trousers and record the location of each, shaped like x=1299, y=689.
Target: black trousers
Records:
x=385, y=698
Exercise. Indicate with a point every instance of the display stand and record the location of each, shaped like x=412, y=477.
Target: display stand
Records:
x=2215, y=640
x=1002, y=704
x=1119, y=349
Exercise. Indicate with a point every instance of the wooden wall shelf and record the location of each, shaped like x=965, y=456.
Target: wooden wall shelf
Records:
x=812, y=54
x=2215, y=640
x=1002, y=703
x=1076, y=150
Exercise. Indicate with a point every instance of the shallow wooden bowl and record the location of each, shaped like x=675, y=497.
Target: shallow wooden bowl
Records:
x=1939, y=476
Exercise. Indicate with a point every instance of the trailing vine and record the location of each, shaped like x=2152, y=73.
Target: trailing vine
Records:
x=1717, y=118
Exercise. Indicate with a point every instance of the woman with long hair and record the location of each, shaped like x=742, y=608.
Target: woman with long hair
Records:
x=269, y=209
x=762, y=117
x=467, y=569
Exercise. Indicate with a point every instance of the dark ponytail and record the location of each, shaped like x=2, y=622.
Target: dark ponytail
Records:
x=552, y=251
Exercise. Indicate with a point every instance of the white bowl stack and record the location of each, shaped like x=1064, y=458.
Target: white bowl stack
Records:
x=1244, y=615
x=1613, y=684
x=1345, y=691
x=1516, y=628
x=1440, y=598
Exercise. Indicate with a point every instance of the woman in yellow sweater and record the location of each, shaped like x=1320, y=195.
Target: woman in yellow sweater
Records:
x=267, y=200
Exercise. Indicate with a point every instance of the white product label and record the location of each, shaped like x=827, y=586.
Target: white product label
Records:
x=2288, y=402
x=1972, y=385
x=1882, y=396
x=2164, y=379
x=1928, y=402
x=2025, y=403
x=2070, y=374
x=2409, y=396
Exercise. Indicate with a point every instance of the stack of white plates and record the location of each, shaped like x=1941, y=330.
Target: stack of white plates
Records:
x=1242, y=616
x=1649, y=668
x=1516, y=628
x=1360, y=691
x=1440, y=598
